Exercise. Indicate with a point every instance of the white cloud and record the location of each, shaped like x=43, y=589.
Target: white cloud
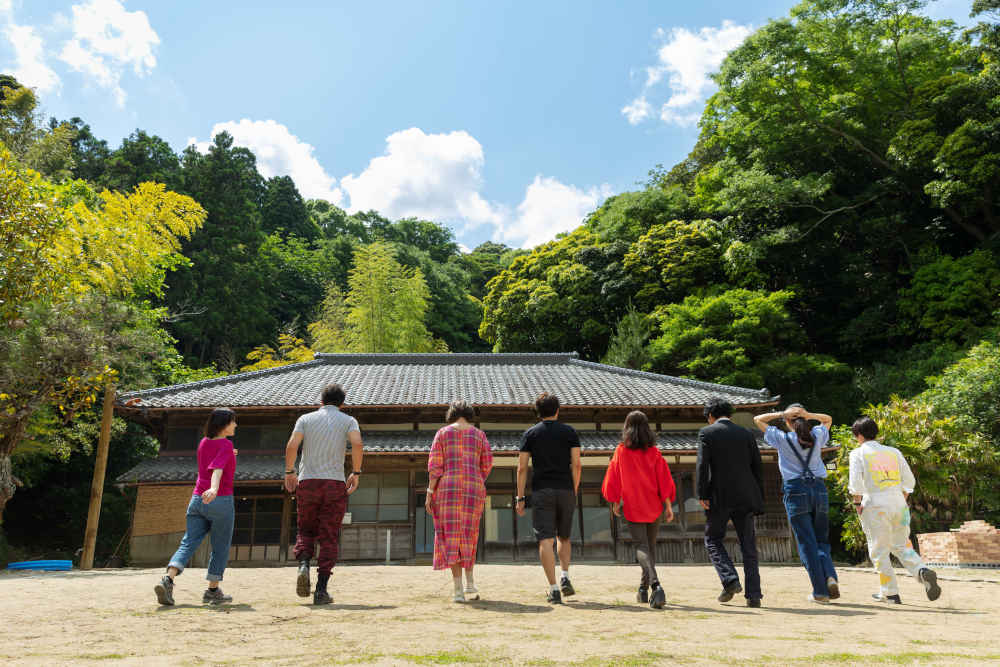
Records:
x=280, y=153
x=638, y=110
x=29, y=54
x=107, y=40
x=686, y=60
x=6, y=6
x=433, y=176
x=550, y=207
x=439, y=177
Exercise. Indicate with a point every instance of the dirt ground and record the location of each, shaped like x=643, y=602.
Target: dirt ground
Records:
x=402, y=615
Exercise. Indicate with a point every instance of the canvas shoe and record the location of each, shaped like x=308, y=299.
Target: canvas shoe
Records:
x=165, y=591
x=818, y=599
x=889, y=599
x=459, y=596
x=471, y=592
x=216, y=596
x=834, y=587
x=928, y=578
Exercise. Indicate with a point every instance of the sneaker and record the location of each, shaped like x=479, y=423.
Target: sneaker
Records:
x=566, y=587
x=554, y=597
x=216, y=596
x=642, y=596
x=819, y=599
x=471, y=592
x=165, y=591
x=889, y=599
x=928, y=578
x=833, y=587
x=729, y=591
x=753, y=602
x=658, y=599
x=459, y=596
x=302, y=585
x=320, y=596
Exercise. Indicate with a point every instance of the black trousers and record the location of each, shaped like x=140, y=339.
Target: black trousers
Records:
x=644, y=536
x=715, y=533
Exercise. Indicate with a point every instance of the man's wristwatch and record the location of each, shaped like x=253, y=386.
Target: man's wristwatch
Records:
x=520, y=499
x=355, y=472
x=290, y=472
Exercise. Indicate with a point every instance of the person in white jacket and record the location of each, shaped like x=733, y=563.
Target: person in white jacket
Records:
x=880, y=482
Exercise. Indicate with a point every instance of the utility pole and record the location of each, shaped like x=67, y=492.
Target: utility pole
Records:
x=97, y=485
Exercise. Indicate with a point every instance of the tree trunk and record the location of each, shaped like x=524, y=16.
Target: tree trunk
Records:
x=8, y=483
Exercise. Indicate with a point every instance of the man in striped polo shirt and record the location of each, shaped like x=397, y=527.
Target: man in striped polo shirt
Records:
x=320, y=487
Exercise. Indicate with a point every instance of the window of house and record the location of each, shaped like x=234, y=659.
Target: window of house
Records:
x=382, y=497
x=183, y=439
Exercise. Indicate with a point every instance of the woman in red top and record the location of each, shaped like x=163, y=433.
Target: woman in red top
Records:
x=639, y=481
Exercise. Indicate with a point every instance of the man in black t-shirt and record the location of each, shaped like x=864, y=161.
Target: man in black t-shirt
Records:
x=554, y=451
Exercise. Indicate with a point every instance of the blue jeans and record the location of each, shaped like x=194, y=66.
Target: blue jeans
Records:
x=215, y=520
x=808, y=508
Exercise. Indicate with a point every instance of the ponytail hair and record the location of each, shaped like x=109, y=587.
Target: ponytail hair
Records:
x=803, y=432
x=801, y=428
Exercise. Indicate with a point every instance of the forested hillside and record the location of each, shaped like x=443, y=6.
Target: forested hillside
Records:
x=834, y=235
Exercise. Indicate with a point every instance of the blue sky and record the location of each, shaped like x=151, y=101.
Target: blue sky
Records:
x=505, y=120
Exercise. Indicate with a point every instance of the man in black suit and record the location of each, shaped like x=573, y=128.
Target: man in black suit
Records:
x=730, y=486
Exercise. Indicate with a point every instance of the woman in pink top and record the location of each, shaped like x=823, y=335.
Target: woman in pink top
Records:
x=211, y=510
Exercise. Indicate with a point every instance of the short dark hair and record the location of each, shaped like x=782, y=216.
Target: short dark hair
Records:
x=218, y=420
x=547, y=405
x=334, y=394
x=865, y=426
x=460, y=408
x=636, y=434
x=718, y=407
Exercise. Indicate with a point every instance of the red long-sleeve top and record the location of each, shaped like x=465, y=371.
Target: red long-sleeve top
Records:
x=640, y=479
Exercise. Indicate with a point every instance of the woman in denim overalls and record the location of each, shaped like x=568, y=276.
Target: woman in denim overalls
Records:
x=806, y=502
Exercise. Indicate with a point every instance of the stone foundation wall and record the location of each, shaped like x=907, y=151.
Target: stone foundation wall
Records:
x=974, y=543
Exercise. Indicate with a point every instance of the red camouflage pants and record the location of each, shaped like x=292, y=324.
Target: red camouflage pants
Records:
x=321, y=506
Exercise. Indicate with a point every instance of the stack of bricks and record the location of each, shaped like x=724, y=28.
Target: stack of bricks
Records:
x=974, y=544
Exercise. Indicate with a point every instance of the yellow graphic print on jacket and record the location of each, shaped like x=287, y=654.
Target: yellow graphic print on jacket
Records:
x=883, y=466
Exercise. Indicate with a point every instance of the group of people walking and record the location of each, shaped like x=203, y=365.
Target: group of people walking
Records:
x=637, y=485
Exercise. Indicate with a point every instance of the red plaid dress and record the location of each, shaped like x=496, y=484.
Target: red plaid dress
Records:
x=461, y=459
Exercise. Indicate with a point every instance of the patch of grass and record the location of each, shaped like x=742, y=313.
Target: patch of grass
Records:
x=637, y=660
x=446, y=658
x=102, y=656
x=901, y=658
x=355, y=659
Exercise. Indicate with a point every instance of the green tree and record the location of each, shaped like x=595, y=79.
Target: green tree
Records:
x=285, y=211
x=628, y=346
x=675, y=258
x=70, y=260
x=386, y=304
x=329, y=332
x=142, y=157
x=221, y=302
x=749, y=339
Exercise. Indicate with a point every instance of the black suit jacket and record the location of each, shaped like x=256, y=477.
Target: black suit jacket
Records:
x=729, y=472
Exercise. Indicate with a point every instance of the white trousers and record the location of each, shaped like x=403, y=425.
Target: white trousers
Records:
x=888, y=531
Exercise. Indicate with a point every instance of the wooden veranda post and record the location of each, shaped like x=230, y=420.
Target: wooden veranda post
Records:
x=97, y=485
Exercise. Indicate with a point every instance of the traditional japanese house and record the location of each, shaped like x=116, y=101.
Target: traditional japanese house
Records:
x=400, y=401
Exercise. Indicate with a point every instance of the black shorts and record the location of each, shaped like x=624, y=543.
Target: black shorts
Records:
x=552, y=513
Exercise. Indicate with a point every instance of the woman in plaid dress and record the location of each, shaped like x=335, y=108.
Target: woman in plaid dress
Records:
x=460, y=461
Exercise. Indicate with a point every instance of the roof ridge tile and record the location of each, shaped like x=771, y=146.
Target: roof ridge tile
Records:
x=701, y=384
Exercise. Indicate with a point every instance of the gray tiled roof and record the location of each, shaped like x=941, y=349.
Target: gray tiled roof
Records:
x=252, y=468
x=437, y=379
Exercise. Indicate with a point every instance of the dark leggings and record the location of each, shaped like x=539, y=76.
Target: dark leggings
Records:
x=644, y=537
